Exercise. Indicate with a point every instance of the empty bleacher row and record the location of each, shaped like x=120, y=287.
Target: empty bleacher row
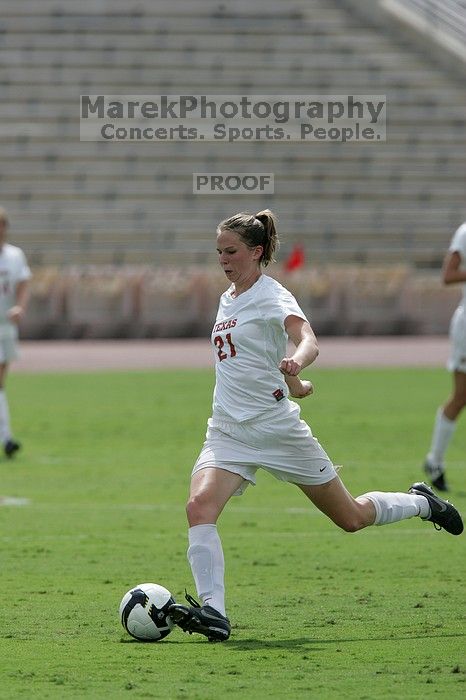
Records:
x=75, y=202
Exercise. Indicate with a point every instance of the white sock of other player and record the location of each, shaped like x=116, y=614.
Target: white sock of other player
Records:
x=5, y=433
x=441, y=436
x=205, y=555
x=392, y=507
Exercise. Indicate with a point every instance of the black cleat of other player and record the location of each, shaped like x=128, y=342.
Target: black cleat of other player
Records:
x=436, y=476
x=201, y=619
x=440, y=483
x=10, y=447
x=442, y=513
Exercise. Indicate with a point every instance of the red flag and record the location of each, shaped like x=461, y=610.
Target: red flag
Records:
x=295, y=260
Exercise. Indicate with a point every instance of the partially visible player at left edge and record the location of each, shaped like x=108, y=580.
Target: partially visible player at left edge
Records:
x=14, y=280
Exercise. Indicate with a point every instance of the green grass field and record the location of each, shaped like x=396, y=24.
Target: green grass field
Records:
x=317, y=613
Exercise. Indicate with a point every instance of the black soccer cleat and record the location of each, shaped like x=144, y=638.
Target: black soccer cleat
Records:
x=436, y=475
x=442, y=513
x=10, y=447
x=201, y=619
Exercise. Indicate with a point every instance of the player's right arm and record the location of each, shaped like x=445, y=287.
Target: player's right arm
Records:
x=302, y=336
x=299, y=388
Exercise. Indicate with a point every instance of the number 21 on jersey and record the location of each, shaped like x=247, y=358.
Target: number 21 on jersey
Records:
x=219, y=343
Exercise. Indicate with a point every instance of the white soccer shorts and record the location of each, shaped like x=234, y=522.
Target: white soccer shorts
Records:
x=8, y=349
x=279, y=442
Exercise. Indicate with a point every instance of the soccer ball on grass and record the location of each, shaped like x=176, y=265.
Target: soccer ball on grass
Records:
x=144, y=612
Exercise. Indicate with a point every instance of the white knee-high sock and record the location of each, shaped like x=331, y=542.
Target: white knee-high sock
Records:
x=205, y=555
x=441, y=436
x=392, y=507
x=5, y=431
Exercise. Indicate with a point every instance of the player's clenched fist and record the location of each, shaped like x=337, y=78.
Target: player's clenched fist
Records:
x=290, y=367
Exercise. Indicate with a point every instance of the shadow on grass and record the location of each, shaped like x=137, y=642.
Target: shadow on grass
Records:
x=306, y=644
x=155, y=643
x=300, y=643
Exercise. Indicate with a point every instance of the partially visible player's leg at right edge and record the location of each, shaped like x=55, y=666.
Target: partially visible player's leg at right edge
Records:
x=444, y=428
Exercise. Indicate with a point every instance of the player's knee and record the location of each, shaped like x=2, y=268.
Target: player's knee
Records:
x=350, y=526
x=193, y=508
x=199, y=509
x=351, y=522
x=457, y=403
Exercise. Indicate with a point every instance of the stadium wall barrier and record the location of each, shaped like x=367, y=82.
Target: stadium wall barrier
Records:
x=145, y=302
x=392, y=16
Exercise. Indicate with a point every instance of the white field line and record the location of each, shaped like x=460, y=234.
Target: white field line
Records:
x=275, y=534
x=164, y=507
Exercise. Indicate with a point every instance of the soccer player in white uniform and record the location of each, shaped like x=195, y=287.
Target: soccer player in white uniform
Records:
x=454, y=272
x=254, y=423
x=14, y=276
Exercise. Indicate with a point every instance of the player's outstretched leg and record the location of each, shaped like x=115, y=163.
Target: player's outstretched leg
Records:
x=442, y=513
x=201, y=619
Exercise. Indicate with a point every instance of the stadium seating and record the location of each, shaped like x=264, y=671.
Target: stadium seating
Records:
x=102, y=301
x=119, y=243
x=46, y=309
x=72, y=202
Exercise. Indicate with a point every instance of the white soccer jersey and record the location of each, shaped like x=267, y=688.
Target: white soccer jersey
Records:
x=458, y=245
x=249, y=341
x=13, y=269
